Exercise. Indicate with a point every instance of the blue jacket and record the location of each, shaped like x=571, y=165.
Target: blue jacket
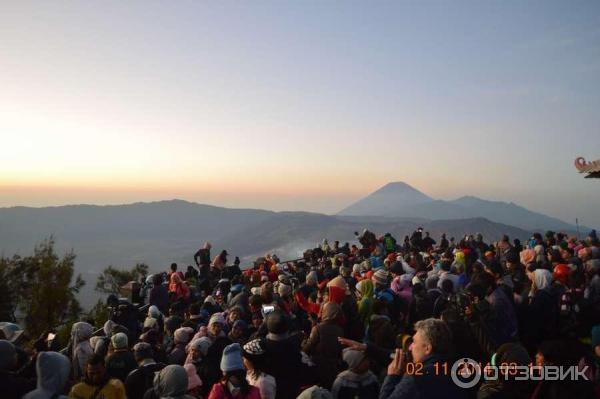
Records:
x=430, y=383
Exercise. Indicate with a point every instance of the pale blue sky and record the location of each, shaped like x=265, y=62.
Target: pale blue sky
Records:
x=299, y=105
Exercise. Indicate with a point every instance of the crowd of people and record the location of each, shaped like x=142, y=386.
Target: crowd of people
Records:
x=379, y=319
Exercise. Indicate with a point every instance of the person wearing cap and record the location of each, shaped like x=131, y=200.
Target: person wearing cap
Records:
x=197, y=356
x=141, y=379
x=121, y=361
x=12, y=386
x=380, y=281
x=97, y=384
x=233, y=384
x=254, y=353
x=357, y=382
x=181, y=338
x=215, y=351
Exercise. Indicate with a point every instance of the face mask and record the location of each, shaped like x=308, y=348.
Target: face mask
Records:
x=233, y=389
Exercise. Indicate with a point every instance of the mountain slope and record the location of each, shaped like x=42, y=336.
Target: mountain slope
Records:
x=387, y=201
x=404, y=201
x=510, y=213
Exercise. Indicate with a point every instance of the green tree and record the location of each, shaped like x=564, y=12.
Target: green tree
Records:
x=111, y=278
x=99, y=313
x=41, y=287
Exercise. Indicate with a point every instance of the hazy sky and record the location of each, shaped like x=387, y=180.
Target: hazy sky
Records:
x=299, y=105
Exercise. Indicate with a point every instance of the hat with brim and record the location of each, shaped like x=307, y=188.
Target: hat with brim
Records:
x=11, y=331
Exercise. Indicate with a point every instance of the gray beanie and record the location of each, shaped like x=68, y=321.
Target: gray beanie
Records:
x=353, y=357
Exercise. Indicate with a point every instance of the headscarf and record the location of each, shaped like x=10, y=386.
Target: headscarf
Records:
x=527, y=256
x=217, y=318
x=183, y=335
x=151, y=322
x=171, y=382
x=82, y=349
x=53, y=371
x=331, y=312
x=154, y=312
x=210, y=299
x=119, y=341
x=81, y=332
x=201, y=344
x=365, y=304
x=542, y=278
x=312, y=278
x=108, y=327
x=284, y=290
x=399, y=283
x=366, y=289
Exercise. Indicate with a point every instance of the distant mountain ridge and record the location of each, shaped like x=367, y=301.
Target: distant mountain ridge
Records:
x=399, y=199
x=159, y=233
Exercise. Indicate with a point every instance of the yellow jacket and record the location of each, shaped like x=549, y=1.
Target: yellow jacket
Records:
x=114, y=389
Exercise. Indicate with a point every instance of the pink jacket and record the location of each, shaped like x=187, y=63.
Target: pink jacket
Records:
x=218, y=392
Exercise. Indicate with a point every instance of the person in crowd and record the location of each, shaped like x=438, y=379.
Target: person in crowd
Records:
x=52, y=371
x=431, y=345
x=358, y=381
x=254, y=354
x=283, y=358
x=81, y=332
x=542, y=309
x=219, y=263
x=170, y=382
x=97, y=383
x=198, y=351
x=12, y=385
x=121, y=361
x=233, y=384
x=238, y=332
x=181, y=338
x=159, y=294
x=141, y=379
x=175, y=271
x=194, y=382
x=322, y=345
x=466, y=298
x=178, y=288
x=364, y=294
x=506, y=358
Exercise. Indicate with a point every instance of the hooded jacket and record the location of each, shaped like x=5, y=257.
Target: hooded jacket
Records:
x=52, y=373
x=81, y=333
x=171, y=383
